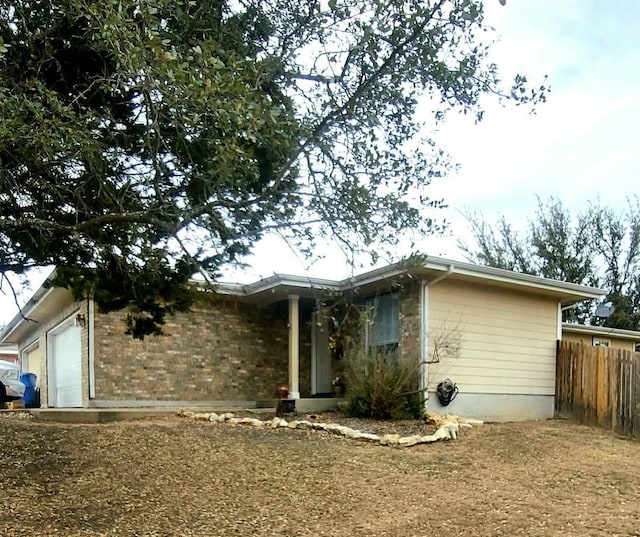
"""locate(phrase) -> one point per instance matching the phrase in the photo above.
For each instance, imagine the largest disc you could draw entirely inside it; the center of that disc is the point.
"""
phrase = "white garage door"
(65, 367)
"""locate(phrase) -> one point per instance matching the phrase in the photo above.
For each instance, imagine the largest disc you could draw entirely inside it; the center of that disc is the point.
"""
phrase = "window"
(597, 342)
(384, 321)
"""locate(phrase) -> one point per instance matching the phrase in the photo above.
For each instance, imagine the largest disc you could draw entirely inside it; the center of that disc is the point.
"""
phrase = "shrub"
(382, 386)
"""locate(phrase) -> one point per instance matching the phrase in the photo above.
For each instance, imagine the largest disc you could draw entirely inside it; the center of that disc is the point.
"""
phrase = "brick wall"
(220, 350)
(410, 323)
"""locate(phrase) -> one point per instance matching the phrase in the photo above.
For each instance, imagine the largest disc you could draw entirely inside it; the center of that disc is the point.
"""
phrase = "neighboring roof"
(430, 269)
(8, 348)
(601, 331)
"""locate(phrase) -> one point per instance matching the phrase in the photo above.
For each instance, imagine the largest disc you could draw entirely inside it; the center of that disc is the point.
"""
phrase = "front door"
(320, 355)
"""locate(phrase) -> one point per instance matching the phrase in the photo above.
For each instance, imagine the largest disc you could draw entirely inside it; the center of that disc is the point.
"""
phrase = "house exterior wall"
(504, 350)
(228, 350)
(221, 350)
(34, 360)
(39, 334)
(409, 346)
(587, 339)
(507, 339)
(9, 357)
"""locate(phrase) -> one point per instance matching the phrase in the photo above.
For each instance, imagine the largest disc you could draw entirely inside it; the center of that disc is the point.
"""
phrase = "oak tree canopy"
(144, 141)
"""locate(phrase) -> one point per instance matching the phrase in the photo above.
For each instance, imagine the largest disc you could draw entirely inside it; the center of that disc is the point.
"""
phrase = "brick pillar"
(294, 347)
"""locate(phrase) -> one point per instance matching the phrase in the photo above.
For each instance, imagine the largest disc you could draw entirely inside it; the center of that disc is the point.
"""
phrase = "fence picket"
(598, 385)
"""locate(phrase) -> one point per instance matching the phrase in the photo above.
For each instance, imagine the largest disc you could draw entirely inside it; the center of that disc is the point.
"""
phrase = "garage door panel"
(67, 367)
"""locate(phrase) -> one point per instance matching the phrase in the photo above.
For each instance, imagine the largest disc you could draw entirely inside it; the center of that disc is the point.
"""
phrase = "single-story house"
(493, 332)
(601, 336)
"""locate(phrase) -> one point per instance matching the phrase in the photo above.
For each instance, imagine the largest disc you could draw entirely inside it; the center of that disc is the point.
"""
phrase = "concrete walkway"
(106, 415)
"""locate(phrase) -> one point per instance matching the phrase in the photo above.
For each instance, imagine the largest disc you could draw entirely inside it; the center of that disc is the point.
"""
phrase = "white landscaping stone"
(449, 427)
(258, 423)
(408, 441)
(452, 429)
(369, 437)
(304, 424)
(278, 422)
(390, 440)
(446, 432)
(350, 433)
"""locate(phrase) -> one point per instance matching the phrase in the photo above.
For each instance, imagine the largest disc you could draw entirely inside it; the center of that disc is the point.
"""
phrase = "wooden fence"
(599, 385)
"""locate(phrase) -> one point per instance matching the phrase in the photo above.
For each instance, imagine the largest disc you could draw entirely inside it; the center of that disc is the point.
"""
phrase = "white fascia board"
(480, 272)
(581, 292)
(373, 276)
(287, 280)
(225, 288)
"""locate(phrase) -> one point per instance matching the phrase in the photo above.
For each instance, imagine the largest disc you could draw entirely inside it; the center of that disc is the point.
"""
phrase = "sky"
(581, 145)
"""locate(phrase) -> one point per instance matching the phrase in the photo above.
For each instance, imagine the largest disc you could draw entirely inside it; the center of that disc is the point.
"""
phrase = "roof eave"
(570, 292)
(25, 312)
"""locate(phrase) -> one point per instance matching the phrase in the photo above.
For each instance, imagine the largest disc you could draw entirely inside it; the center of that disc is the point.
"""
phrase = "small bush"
(381, 386)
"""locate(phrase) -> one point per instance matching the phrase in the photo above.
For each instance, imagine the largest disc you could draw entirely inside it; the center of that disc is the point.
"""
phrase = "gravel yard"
(178, 477)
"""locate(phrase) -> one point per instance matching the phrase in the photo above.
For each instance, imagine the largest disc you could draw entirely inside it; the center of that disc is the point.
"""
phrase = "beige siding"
(505, 340)
(587, 339)
(34, 360)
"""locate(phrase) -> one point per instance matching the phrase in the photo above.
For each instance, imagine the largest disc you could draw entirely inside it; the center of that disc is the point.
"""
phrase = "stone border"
(448, 427)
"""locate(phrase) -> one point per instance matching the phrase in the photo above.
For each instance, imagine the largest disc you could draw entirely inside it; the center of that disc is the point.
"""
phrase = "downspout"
(561, 308)
(424, 330)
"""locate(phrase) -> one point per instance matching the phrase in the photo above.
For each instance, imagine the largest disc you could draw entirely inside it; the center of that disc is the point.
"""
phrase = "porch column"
(294, 347)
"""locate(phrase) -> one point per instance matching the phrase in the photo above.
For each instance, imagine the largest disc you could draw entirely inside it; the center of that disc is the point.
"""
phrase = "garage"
(33, 359)
(65, 365)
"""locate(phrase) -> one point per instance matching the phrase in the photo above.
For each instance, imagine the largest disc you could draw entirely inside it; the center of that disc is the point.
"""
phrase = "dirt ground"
(178, 477)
